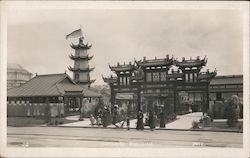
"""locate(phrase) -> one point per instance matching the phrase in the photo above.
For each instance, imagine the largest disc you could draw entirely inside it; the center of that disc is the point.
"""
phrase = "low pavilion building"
(38, 95)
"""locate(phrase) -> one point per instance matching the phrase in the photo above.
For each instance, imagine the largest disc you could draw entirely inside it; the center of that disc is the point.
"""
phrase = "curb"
(160, 129)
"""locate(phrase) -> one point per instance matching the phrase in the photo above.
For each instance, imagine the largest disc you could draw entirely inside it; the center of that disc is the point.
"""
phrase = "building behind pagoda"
(17, 75)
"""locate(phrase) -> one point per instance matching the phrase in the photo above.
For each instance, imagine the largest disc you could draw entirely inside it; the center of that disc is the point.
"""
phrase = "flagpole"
(81, 29)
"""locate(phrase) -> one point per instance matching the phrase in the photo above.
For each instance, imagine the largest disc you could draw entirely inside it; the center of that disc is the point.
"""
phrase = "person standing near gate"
(128, 122)
(115, 115)
(152, 118)
(105, 116)
(140, 125)
(162, 119)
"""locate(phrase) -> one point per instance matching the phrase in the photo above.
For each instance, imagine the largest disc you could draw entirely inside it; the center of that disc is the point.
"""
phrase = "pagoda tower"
(81, 70)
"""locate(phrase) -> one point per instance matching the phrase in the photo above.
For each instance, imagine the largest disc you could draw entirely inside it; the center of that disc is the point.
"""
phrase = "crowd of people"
(104, 117)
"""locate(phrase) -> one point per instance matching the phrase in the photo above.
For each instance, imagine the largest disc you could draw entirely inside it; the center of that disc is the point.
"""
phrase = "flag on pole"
(74, 34)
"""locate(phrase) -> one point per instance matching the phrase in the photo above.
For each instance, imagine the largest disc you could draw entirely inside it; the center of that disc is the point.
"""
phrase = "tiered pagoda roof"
(88, 69)
(155, 62)
(191, 63)
(124, 67)
(110, 80)
(206, 75)
(73, 57)
(81, 45)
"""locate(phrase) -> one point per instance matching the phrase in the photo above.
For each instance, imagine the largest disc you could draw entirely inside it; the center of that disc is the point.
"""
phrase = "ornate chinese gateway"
(175, 85)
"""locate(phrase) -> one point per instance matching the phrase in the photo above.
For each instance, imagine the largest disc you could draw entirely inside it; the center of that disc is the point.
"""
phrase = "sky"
(36, 38)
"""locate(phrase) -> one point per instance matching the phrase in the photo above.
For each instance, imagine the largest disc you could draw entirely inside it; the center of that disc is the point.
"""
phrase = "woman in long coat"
(140, 125)
(162, 121)
(105, 117)
(151, 120)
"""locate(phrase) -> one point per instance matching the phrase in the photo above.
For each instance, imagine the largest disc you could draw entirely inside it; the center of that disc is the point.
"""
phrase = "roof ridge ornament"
(167, 56)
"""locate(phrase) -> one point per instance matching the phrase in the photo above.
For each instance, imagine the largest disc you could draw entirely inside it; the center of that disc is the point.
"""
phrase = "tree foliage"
(232, 112)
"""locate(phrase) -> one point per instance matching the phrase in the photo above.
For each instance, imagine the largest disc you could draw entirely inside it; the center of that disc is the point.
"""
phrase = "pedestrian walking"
(140, 125)
(128, 122)
(115, 115)
(151, 120)
(92, 120)
(105, 117)
(99, 120)
(162, 120)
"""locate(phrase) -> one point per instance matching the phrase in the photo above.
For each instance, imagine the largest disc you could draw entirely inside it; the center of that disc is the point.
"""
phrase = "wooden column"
(47, 110)
(81, 107)
(207, 98)
(112, 97)
(175, 102)
(139, 97)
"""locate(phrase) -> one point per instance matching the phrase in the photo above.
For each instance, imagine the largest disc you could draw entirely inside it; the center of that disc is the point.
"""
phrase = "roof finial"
(167, 56)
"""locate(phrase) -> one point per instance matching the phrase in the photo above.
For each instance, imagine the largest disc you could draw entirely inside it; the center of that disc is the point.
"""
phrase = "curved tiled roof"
(191, 63)
(45, 85)
(155, 62)
(206, 75)
(229, 79)
(110, 79)
(81, 46)
(125, 67)
(87, 57)
(50, 85)
(87, 69)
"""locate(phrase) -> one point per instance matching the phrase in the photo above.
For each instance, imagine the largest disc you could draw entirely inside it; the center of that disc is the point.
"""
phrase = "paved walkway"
(182, 122)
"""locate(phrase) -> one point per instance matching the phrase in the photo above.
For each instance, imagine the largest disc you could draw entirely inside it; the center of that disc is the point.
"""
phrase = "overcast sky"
(36, 39)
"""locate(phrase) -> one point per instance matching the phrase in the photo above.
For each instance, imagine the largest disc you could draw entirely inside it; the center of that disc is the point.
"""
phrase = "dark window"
(76, 77)
(218, 96)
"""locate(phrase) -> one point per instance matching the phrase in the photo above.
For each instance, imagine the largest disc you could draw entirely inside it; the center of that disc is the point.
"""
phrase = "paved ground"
(182, 122)
(100, 137)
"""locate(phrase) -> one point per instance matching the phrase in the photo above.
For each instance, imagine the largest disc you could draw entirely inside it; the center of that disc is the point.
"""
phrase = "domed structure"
(16, 75)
